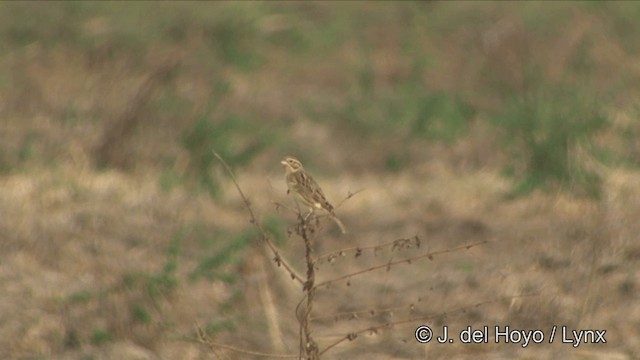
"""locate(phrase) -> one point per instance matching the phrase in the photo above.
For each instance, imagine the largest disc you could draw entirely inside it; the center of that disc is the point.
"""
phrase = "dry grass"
(74, 233)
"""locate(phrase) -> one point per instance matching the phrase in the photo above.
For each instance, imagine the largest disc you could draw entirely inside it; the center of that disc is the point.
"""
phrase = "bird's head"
(291, 163)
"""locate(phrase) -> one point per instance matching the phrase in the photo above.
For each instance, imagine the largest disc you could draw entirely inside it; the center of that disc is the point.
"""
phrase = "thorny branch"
(374, 329)
(403, 243)
(388, 265)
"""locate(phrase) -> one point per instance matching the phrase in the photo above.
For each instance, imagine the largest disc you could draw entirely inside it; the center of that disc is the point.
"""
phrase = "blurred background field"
(511, 122)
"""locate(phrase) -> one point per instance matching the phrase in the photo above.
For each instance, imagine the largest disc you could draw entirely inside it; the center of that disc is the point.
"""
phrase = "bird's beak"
(283, 162)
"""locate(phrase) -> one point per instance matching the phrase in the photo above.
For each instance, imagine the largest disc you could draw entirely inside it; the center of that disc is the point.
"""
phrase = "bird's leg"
(306, 217)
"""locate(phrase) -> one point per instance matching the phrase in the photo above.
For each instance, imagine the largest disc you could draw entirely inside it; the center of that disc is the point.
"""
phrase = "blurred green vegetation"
(212, 254)
(223, 250)
(542, 127)
(232, 136)
(547, 78)
(101, 336)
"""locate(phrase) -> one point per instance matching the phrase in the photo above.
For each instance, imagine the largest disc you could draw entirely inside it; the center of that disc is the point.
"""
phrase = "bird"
(302, 184)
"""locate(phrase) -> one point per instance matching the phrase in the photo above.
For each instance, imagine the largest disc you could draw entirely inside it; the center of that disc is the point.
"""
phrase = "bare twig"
(354, 334)
(349, 196)
(403, 243)
(371, 312)
(215, 345)
(310, 346)
(388, 265)
(279, 260)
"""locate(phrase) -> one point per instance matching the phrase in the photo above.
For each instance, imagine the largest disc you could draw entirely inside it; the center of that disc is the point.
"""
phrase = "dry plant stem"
(263, 234)
(398, 243)
(391, 310)
(388, 265)
(353, 335)
(310, 346)
(215, 345)
(270, 310)
(349, 196)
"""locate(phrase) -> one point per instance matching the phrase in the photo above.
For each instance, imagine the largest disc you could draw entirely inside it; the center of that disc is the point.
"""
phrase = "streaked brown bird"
(300, 182)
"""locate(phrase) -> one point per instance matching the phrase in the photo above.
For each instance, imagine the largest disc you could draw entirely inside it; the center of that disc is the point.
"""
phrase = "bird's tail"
(339, 223)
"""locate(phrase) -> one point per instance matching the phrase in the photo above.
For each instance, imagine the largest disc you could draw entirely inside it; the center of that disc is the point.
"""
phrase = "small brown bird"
(307, 189)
